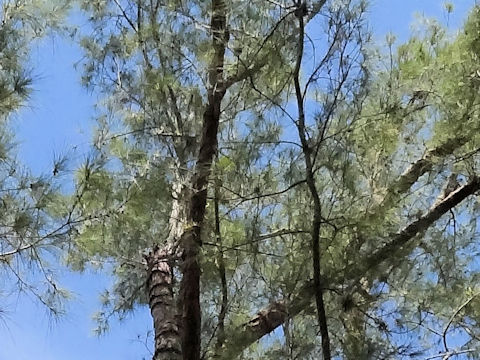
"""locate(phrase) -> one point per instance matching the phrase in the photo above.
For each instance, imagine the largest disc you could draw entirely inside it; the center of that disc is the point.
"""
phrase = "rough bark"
(162, 306)
(190, 235)
(167, 328)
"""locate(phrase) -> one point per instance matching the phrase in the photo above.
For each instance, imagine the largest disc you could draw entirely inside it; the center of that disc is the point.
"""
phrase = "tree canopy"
(265, 167)
(31, 234)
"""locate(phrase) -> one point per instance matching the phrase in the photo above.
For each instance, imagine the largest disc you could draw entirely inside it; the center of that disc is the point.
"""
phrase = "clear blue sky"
(59, 117)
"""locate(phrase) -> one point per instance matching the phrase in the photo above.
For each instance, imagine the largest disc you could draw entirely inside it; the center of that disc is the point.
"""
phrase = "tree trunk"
(162, 306)
(160, 285)
(190, 240)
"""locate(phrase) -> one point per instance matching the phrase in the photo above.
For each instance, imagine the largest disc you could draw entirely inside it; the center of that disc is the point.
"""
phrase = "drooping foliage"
(29, 237)
(377, 148)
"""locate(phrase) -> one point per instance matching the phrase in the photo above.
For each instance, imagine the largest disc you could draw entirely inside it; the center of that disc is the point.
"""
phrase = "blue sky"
(58, 118)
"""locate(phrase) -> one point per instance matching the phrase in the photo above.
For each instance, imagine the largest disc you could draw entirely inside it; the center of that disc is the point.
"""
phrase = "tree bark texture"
(166, 322)
(162, 306)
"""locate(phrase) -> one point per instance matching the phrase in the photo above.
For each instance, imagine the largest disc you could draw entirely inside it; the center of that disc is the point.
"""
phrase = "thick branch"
(417, 169)
(277, 313)
(401, 238)
(266, 321)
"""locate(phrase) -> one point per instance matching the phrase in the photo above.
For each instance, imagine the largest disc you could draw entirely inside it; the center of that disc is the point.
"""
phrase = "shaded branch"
(266, 320)
(191, 238)
(401, 238)
(277, 313)
(300, 12)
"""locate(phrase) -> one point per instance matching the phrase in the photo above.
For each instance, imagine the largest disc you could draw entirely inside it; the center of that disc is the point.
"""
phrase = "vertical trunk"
(186, 224)
(191, 237)
(166, 324)
(162, 306)
(317, 214)
(190, 294)
(221, 273)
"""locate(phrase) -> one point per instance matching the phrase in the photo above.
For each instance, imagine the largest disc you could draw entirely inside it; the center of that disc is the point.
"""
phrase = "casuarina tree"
(261, 165)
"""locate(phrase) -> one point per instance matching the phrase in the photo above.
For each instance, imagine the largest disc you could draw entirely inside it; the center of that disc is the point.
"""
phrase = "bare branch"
(127, 18)
(449, 354)
(317, 209)
(454, 315)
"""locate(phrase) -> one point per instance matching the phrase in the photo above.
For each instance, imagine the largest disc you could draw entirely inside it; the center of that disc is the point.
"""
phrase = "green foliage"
(384, 130)
(30, 238)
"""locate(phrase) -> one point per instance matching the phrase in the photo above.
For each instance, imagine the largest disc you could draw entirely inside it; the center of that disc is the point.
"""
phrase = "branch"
(401, 238)
(252, 69)
(245, 74)
(454, 315)
(124, 13)
(449, 354)
(259, 238)
(300, 12)
(416, 170)
(277, 313)
(249, 197)
(316, 7)
(266, 320)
